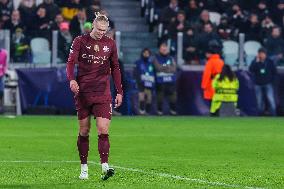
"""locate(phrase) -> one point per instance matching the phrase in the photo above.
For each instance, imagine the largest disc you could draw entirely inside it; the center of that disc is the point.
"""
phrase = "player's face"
(100, 29)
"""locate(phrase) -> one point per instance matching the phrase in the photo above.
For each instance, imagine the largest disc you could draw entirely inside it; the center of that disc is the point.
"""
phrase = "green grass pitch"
(147, 152)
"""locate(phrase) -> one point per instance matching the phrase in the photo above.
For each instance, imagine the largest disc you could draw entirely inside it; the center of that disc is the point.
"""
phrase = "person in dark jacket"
(275, 45)
(64, 41)
(14, 22)
(77, 23)
(51, 9)
(263, 71)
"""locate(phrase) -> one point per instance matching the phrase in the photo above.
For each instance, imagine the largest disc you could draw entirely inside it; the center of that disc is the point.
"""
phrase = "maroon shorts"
(84, 109)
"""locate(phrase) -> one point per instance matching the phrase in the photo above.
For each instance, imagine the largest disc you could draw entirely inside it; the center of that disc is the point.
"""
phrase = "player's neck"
(92, 35)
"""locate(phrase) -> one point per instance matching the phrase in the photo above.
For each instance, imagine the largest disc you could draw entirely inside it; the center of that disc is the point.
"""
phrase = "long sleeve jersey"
(97, 60)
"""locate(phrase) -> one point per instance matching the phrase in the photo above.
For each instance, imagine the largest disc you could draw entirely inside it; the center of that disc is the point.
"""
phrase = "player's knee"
(102, 130)
(84, 131)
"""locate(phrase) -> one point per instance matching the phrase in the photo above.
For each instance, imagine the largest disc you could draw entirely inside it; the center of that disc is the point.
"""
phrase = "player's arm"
(72, 59)
(116, 75)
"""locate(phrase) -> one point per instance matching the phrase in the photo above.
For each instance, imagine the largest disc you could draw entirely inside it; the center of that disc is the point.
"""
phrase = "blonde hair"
(101, 18)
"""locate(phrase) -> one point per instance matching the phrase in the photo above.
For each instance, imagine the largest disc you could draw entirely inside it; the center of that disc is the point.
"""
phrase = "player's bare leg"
(103, 146)
(83, 145)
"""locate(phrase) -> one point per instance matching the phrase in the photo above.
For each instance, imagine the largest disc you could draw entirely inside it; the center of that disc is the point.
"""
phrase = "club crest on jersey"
(96, 48)
(105, 49)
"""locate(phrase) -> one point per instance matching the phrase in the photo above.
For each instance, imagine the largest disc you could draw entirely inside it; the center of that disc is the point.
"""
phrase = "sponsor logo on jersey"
(106, 49)
(96, 48)
(88, 47)
(94, 59)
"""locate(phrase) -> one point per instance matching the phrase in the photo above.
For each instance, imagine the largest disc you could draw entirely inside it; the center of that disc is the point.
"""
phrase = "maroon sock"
(83, 148)
(103, 147)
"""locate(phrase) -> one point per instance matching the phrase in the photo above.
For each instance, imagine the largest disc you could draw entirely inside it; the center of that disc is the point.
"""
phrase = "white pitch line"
(165, 175)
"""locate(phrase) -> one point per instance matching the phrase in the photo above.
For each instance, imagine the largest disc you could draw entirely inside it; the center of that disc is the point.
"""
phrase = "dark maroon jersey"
(96, 60)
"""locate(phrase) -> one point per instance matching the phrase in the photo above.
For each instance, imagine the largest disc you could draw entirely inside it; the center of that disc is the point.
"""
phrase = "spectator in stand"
(275, 45)
(202, 21)
(19, 47)
(237, 18)
(213, 67)
(278, 13)
(192, 11)
(77, 23)
(90, 11)
(3, 70)
(64, 41)
(179, 25)
(57, 21)
(266, 27)
(190, 45)
(70, 9)
(205, 37)
(27, 10)
(87, 27)
(168, 14)
(264, 72)
(261, 9)
(6, 8)
(145, 78)
(41, 24)
(51, 8)
(14, 22)
(225, 30)
(165, 67)
(253, 28)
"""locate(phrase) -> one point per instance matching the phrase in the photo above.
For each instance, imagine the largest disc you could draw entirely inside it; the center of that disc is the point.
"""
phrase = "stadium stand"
(140, 24)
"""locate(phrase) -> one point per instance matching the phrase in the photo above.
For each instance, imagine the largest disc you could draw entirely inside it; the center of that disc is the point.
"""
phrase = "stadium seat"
(251, 48)
(215, 17)
(230, 52)
(40, 50)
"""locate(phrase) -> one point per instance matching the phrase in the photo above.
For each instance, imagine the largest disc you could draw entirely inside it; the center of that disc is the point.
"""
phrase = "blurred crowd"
(30, 19)
(204, 20)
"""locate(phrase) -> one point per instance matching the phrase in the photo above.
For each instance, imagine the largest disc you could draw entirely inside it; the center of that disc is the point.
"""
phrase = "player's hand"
(74, 86)
(118, 100)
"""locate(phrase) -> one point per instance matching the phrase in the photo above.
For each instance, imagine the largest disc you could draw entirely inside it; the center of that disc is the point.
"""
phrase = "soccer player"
(96, 56)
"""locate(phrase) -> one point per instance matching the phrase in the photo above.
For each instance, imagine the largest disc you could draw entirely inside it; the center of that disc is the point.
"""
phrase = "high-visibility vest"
(225, 91)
